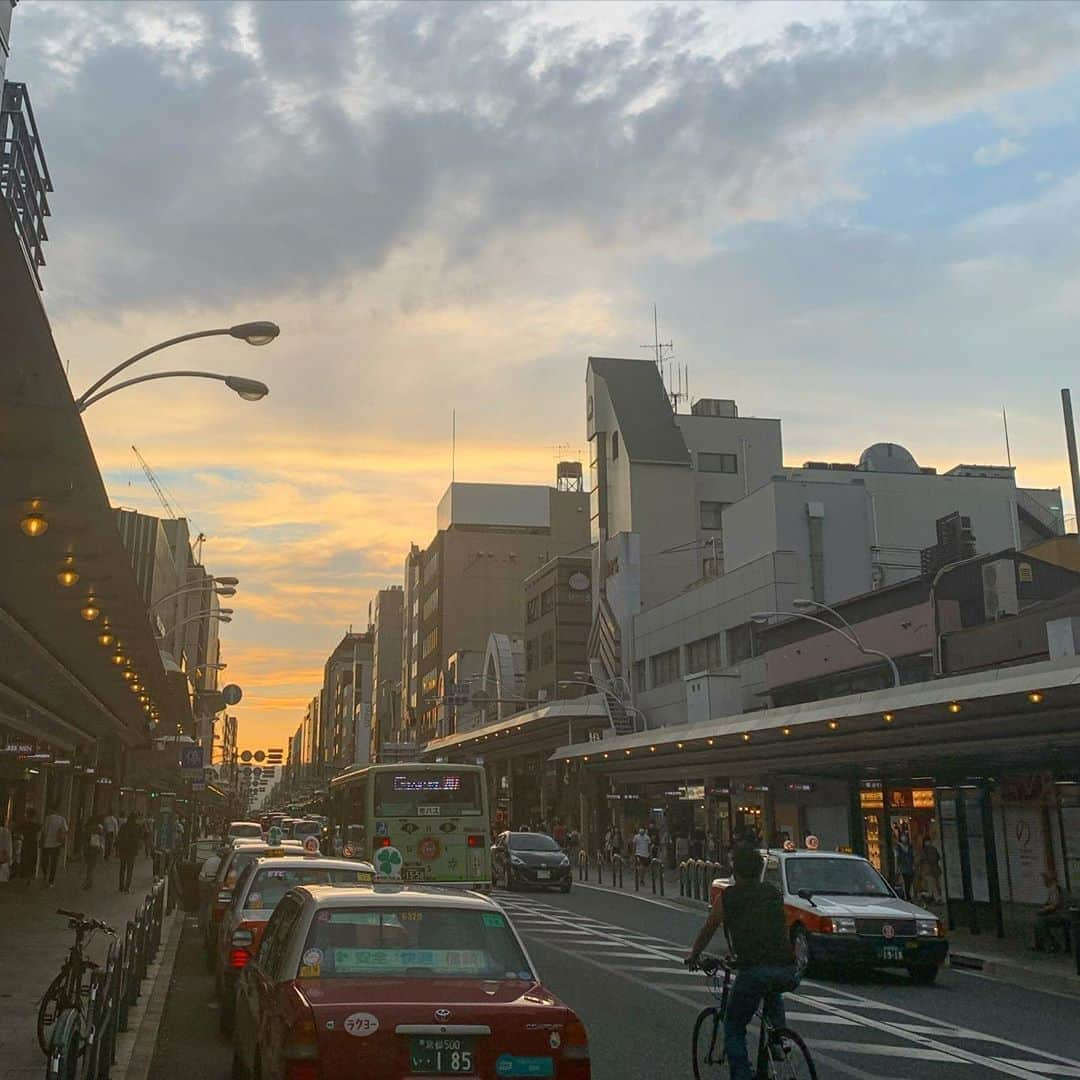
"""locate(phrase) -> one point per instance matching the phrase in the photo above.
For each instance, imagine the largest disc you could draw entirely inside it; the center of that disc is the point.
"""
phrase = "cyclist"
(752, 914)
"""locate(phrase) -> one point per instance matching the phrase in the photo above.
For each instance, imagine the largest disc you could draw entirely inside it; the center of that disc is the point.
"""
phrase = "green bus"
(417, 822)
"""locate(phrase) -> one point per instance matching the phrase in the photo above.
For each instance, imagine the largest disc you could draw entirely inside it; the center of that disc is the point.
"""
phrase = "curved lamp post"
(254, 333)
(223, 586)
(222, 615)
(851, 638)
(248, 389)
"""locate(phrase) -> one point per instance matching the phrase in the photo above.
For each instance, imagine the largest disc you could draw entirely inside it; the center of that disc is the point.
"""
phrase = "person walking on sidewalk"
(95, 844)
(128, 841)
(112, 828)
(930, 870)
(642, 848)
(28, 851)
(7, 852)
(53, 837)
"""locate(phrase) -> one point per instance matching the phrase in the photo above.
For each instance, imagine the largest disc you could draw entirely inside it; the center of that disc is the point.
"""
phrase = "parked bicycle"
(782, 1054)
(74, 987)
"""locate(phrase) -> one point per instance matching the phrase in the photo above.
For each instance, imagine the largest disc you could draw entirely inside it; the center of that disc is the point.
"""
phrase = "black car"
(527, 858)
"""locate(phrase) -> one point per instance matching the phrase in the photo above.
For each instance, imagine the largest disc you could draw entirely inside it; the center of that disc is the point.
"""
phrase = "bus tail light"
(382, 841)
(476, 840)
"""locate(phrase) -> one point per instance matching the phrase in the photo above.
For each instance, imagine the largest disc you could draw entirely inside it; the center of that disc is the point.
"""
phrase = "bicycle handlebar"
(81, 922)
(710, 965)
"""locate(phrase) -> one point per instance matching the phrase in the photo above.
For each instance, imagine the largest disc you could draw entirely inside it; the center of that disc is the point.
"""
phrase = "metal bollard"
(616, 870)
(637, 874)
(1074, 929)
(583, 866)
(700, 879)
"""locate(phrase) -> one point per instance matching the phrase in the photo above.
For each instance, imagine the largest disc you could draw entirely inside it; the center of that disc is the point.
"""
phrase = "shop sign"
(800, 787)
(692, 792)
(872, 800)
(718, 791)
(755, 787)
(19, 748)
(911, 798)
(1026, 787)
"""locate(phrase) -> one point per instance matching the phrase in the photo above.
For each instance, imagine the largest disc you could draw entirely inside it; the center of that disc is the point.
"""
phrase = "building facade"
(558, 615)
(386, 619)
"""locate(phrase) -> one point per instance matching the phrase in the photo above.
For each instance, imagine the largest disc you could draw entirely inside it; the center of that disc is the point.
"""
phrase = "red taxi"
(260, 886)
(842, 913)
(391, 981)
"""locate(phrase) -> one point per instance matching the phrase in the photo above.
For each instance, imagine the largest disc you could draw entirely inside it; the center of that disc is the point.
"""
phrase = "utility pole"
(1070, 442)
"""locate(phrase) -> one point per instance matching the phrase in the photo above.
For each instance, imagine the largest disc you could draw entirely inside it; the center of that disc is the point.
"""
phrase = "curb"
(1022, 974)
(647, 894)
(135, 1049)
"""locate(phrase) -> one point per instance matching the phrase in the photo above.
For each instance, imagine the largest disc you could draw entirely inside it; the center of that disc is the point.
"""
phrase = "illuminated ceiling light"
(106, 637)
(652, 749)
(1035, 697)
(679, 745)
(746, 736)
(888, 717)
(955, 707)
(129, 675)
(118, 659)
(90, 610)
(834, 725)
(786, 731)
(626, 752)
(710, 741)
(33, 524)
(585, 758)
(605, 757)
(67, 575)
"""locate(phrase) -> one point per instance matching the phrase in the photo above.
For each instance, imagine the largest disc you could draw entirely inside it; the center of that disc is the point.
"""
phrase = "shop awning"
(1024, 709)
(543, 727)
(55, 678)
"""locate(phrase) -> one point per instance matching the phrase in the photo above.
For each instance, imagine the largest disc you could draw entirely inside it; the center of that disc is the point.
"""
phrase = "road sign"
(232, 694)
(191, 758)
(260, 755)
(311, 845)
(246, 755)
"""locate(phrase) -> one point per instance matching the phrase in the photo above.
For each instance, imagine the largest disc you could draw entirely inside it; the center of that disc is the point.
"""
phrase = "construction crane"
(153, 482)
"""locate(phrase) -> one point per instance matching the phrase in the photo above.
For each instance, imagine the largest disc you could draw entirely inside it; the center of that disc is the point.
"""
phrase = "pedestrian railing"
(83, 1039)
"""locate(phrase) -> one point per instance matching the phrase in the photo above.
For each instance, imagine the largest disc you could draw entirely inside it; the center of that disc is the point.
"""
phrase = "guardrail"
(83, 1039)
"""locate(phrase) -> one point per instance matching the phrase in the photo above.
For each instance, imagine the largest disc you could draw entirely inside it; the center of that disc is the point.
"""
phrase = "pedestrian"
(112, 828)
(558, 833)
(28, 851)
(7, 852)
(95, 844)
(53, 837)
(1051, 916)
(930, 870)
(128, 842)
(905, 862)
(148, 838)
(642, 847)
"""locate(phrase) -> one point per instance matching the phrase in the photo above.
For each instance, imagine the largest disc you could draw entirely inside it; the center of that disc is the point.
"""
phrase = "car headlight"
(842, 925)
(515, 861)
(928, 928)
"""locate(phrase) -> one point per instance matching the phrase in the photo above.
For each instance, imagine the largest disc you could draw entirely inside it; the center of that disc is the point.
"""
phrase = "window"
(772, 875)
(547, 647)
(639, 677)
(723, 463)
(740, 643)
(532, 609)
(431, 567)
(531, 652)
(665, 667)
(710, 514)
(431, 642)
(431, 604)
(547, 600)
(431, 681)
(705, 654)
(614, 446)
(278, 931)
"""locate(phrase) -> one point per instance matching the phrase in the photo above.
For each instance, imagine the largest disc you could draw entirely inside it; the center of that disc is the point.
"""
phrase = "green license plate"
(890, 952)
(441, 1055)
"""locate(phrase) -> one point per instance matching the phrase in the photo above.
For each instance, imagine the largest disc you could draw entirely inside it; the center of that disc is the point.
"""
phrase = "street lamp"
(851, 638)
(248, 389)
(222, 615)
(254, 333)
(223, 586)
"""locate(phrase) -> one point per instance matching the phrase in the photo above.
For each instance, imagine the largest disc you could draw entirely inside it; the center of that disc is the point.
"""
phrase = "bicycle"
(781, 1054)
(67, 990)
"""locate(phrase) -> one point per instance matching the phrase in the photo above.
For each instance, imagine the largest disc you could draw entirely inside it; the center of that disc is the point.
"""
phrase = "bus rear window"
(416, 794)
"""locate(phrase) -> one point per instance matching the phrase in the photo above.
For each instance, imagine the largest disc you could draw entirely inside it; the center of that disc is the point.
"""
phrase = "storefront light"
(679, 745)
(834, 725)
(1035, 697)
(67, 575)
(888, 717)
(33, 524)
(746, 736)
(786, 731)
(710, 741)
(955, 707)
(90, 610)
(652, 749)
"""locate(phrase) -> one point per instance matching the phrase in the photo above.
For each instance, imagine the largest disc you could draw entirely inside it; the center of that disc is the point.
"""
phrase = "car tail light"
(239, 958)
(302, 1049)
(575, 1041)
(476, 840)
(382, 841)
(224, 896)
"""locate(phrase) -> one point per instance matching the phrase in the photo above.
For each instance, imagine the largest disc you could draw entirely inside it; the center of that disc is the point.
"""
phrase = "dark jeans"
(750, 986)
(91, 860)
(108, 845)
(127, 868)
(1045, 925)
(50, 857)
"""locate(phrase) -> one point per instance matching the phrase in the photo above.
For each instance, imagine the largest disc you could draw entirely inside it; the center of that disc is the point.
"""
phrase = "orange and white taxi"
(842, 913)
(263, 882)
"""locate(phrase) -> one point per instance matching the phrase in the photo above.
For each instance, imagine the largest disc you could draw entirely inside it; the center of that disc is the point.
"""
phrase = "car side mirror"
(807, 895)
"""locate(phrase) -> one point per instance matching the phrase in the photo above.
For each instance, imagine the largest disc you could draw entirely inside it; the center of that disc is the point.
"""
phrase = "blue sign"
(381, 828)
(191, 757)
(165, 830)
(508, 1065)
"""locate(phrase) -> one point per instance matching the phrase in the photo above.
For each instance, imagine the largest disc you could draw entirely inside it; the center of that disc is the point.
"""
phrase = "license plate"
(543, 875)
(890, 952)
(412, 874)
(441, 1055)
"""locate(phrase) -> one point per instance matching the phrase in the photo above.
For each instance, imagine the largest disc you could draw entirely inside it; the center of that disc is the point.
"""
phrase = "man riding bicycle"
(752, 914)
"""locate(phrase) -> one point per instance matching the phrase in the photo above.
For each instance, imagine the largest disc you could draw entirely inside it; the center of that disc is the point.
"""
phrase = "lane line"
(916, 1053)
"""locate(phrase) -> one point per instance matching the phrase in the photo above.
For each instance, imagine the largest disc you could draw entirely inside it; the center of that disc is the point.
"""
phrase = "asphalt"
(618, 961)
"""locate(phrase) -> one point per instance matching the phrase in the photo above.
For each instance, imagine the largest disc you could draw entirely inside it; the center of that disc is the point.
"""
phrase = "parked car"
(842, 913)
(191, 861)
(385, 981)
(527, 858)
(262, 883)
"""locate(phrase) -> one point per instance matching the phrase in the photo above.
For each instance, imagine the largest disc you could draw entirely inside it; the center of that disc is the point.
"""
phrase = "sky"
(860, 218)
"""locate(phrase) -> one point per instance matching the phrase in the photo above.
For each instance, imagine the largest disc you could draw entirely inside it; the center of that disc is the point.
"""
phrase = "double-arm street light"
(846, 630)
(223, 586)
(254, 333)
(224, 614)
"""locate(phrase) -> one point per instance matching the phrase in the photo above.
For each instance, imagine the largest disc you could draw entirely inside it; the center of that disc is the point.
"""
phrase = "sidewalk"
(34, 941)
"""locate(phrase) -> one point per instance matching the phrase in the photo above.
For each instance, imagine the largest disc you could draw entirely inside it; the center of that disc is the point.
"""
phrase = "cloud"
(997, 153)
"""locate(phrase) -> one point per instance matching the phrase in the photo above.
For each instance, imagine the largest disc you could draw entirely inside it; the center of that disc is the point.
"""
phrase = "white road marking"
(819, 1018)
(1048, 1069)
(916, 1053)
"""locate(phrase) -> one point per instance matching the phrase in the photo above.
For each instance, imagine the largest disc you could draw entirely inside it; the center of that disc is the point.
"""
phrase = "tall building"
(558, 614)
(6, 8)
(385, 617)
(467, 583)
(410, 630)
(344, 706)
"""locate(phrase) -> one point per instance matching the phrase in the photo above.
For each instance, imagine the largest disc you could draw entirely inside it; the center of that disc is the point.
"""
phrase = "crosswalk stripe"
(1048, 1068)
(883, 1049)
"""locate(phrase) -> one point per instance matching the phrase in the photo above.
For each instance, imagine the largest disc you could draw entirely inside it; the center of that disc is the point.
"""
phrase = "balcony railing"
(24, 176)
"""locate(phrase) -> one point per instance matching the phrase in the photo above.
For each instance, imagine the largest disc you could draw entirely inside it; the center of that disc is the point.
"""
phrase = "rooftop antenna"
(657, 348)
(1005, 422)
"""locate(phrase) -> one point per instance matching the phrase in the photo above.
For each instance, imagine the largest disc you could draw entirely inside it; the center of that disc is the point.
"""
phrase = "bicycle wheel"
(66, 1048)
(709, 1044)
(52, 1005)
(789, 1058)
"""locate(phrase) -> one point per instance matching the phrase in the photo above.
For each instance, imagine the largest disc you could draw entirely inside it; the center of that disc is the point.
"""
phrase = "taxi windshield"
(271, 883)
(834, 877)
(412, 943)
